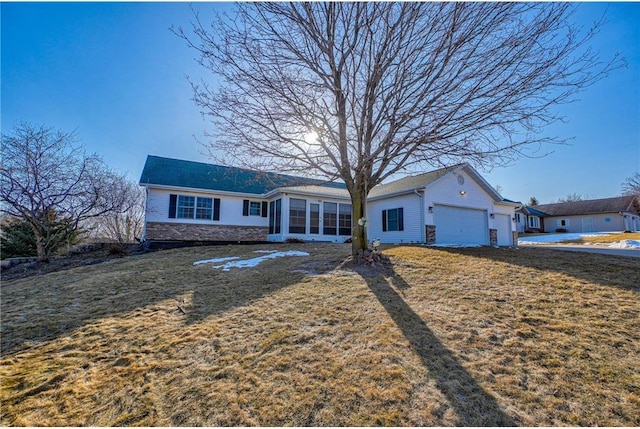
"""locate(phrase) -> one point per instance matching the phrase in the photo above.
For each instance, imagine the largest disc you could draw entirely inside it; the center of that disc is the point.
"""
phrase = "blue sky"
(116, 74)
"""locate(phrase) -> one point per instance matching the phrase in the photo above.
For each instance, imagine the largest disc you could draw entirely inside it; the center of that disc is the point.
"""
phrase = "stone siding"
(194, 232)
(431, 234)
(515, 238)
(493, 237)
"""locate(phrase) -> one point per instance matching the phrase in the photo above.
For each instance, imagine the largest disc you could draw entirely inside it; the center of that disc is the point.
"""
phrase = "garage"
(503, 225)
(459, 225)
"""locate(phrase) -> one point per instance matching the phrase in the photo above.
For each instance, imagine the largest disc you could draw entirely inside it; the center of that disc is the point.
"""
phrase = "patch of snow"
(264, 251)
(213, 261)
(626, 244)
(559, 238)
(256, 261)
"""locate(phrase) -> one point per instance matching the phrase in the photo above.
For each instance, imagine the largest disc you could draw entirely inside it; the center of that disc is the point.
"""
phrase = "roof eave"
(202, 190)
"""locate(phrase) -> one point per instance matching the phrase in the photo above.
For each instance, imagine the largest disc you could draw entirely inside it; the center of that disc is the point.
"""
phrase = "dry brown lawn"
(474, 337)
(608, 239)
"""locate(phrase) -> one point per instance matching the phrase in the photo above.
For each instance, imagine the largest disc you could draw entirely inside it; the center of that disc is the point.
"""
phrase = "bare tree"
(570, 198)
(359, 91)
(631, 185)
(49, 182)
(125, 224)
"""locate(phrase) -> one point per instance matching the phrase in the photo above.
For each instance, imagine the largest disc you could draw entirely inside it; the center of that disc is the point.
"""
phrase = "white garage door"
(456, 225)
(503, 225)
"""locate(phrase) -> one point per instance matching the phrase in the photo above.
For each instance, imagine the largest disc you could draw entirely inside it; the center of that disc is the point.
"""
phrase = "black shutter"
(173, 202)
(384, 220)
(245, 207)
(216, 209)
(264, 208)
(400, 219)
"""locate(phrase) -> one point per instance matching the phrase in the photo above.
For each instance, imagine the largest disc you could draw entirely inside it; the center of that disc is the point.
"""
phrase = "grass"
(474, 337)
(607, 239)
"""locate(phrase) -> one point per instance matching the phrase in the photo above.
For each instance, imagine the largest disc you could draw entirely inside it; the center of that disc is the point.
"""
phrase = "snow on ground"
(270, 254)
(213, 261)
(558, 238)
(626, 244)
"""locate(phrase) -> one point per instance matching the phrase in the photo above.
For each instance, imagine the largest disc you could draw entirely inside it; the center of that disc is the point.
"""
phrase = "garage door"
(457, 225)
(503, 225)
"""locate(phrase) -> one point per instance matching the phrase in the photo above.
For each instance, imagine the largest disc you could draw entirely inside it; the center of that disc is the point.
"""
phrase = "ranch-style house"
(194, 201)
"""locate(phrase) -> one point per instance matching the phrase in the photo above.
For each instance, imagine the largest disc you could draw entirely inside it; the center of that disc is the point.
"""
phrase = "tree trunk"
(43, 253)
(359, 207)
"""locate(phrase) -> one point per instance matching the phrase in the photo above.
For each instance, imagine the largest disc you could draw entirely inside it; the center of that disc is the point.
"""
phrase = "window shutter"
(384, 220)
(264, 208)
(245, 207)
(400, 219)
(216, 209)
(173, 202)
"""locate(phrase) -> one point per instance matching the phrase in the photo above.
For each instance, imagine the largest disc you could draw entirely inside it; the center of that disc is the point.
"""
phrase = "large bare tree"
(49, 182)
(359, 91)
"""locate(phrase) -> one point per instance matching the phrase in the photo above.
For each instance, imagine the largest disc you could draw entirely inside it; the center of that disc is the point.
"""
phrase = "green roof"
(198, 175)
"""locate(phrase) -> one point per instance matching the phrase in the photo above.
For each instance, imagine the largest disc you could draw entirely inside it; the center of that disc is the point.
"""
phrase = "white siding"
(230, 209)
(599, 222)
(413, 227)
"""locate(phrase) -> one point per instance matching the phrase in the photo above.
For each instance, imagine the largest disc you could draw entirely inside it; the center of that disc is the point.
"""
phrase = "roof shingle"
(603, 205)
(197, 175)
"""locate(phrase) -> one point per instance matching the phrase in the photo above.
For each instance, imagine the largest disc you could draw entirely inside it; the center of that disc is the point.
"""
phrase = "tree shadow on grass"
(42, 308)
(471, 403)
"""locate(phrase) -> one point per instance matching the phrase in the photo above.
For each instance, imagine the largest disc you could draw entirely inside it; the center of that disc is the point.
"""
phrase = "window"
(518, 217)
(254, 208)
(186, 207)
(275, 216)
(393, 219)
(534, 222)
(314, 218)
(297, 216)
(192, 207)
(563, 222)
(344, 219)
(330, 222)
(204, 208)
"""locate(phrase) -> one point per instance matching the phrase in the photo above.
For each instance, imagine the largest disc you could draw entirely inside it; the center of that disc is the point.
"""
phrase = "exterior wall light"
(492, 215)
(463, 193)
(430, 209)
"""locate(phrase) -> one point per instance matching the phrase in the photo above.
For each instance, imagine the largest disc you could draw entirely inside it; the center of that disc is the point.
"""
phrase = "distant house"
(205, 202)
(607, 214)
(529, 219)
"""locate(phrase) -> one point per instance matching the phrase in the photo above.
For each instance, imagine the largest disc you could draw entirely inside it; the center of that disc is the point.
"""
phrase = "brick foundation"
(191, 232)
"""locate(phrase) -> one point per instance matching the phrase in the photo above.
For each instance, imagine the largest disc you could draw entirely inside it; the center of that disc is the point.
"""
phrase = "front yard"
(473, 337)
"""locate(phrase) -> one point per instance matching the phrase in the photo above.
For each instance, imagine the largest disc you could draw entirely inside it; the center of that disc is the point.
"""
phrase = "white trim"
(205, 191)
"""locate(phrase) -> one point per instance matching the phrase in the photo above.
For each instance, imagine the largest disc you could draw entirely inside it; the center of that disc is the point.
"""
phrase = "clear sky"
(115, 74)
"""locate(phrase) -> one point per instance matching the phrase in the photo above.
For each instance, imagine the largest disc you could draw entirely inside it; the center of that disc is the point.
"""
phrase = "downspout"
(422, 225)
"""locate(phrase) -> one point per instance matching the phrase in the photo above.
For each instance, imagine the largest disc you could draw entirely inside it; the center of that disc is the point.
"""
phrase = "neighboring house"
(529, 219)
(607, 214)
(204, 202)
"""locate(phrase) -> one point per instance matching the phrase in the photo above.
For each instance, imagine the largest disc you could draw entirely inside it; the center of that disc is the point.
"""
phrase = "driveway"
(635, 253)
